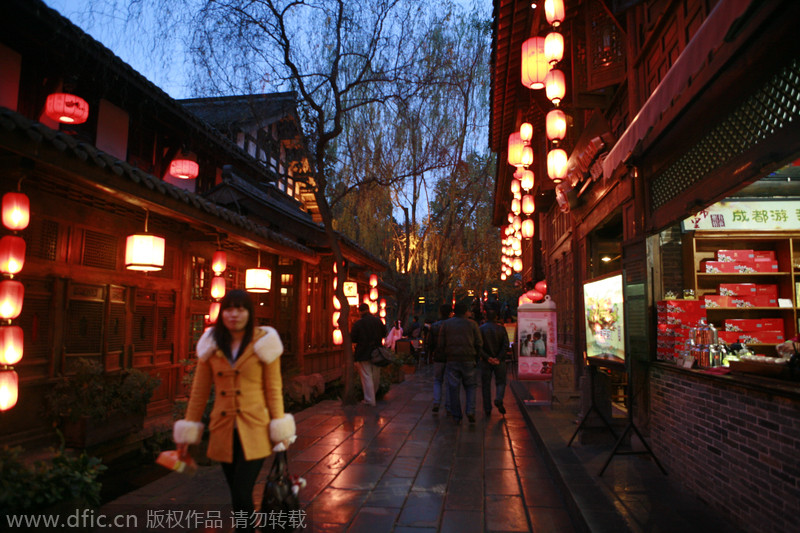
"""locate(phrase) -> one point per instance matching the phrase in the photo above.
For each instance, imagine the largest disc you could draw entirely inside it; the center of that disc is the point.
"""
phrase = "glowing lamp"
(517, 223)
(557, 165)
(217, 287)
(527, 156)
(9, 389)
(219, 262)
(527, 228)
(553, 47)
(10, 345)
(365, 299)
(383, 313)
(555, 86)
(258, 280)
(66, 108)
(373, 307)
(517, 264)
(503, 276)
(554, 12)
(528, 205)
(541, 286)
(526, 132)
(373, 280)
(515, 206)
(213, 312)
(556, 125)
(12, 254)
(12, 294)
(337, 337)
(534, 295)
(336, 304)
(527, 180)
(184, 169)
(335, 318)
(383, 303)
(534, 63)
(144, 252)
(16, 211)
(515, 186)
(373, 293)
(515, 149)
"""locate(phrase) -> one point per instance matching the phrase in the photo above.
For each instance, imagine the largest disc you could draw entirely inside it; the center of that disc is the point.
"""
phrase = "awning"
(709, 38)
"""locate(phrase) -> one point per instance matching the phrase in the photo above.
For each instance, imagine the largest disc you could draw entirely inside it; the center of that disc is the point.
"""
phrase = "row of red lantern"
(15, 216)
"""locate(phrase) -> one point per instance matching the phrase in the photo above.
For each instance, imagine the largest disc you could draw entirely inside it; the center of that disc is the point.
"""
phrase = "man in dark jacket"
(493, 362)
(439, 358)
(367, 334)
(460, 339)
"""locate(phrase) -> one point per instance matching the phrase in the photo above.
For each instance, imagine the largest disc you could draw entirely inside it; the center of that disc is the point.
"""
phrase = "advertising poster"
(603, 307)
(536, 341)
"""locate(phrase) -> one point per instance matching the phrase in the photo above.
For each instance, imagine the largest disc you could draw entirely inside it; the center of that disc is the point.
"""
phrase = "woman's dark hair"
(234, 298)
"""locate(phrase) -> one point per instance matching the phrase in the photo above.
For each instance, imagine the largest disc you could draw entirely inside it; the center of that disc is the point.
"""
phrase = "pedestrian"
(367, 334)
(493, 362)
(248, 421)
(439, 358)
(415, 328)
(460, 339)
(394, 334)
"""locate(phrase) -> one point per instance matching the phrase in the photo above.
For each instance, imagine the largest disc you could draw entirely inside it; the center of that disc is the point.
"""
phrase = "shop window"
(201, 278)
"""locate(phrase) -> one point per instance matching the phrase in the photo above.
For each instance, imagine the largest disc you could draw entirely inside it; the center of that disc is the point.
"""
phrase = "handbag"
(173, 460)
(279, 496)
(381, 356)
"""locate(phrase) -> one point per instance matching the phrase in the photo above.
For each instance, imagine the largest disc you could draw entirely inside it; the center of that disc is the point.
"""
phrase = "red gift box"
(762, 337)
(754, 324)
(764, 254)
(767, 290)
(737, 289)
(716, 300)
(729, 336)
(730, 267)
(765, 265)
(735, 255)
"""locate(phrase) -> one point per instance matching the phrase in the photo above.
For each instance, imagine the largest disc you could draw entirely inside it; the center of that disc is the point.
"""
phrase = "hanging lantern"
(337, 337)
(534, 295)
(518, 195)
(12, 254)
(503, 277)
(213, 312)
(258, 280)
(184, 169)
(534, 63)
(515, 206)
(383, 303)
(383, 313)
(517, 264)
(553, 47)
(556, 125)
(527, 228)
(9, 389)
(527, 180)
(66, 108)
(10, 345)
(219, 262)
(373, 293)
(336, 304)
(144, 252)
(217, 287)
(517, 222)
(555, 86)
(528, 206)
(516, 148)
(527, 156)
(335, 318)
(557, 165)
(515, 186)
(12, 294)
(16, 211)
(526, 132)
(541, 286)
(373, 307)
(365, 299)
(554, 12)
(373, 280)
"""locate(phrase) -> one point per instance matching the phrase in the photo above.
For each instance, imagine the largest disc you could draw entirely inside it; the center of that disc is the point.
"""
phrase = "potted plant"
(408, 363)
(92, 406)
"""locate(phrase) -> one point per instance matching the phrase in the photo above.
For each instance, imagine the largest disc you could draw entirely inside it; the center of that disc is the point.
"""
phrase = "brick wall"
(736, 448)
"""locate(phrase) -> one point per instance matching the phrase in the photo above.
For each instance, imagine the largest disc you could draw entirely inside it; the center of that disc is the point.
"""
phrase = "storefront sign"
(603, 314)
(537, 344)
(749, 215)
(350, 289)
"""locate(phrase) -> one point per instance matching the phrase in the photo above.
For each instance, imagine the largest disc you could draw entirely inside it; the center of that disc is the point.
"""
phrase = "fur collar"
(268, 345)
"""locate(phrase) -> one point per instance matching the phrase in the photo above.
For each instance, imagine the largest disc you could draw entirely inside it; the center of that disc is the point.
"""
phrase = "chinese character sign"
(756, 215)
(537, 343)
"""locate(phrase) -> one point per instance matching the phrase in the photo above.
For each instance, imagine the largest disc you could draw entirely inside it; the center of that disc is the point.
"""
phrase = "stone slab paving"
(394, 468)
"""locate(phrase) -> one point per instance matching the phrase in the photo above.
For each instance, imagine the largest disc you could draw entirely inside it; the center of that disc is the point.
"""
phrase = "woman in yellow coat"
(247, 422)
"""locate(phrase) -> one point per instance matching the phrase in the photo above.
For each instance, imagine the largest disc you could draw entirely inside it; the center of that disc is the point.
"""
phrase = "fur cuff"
(281, 429)
(206, 346)
(185, 432)
(269, 347)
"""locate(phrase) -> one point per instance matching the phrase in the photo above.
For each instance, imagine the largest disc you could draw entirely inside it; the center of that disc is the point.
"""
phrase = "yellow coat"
(249, 396)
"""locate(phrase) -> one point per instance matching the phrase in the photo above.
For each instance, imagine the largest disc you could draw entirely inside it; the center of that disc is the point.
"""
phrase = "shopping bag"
(173, 460)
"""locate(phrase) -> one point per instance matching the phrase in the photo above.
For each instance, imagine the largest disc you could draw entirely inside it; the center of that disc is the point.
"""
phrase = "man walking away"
(460, 339)
(367, 334)
(439, 358)
(493, 362)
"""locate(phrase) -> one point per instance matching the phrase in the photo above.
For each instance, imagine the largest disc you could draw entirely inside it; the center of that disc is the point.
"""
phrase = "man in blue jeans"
(460, 341)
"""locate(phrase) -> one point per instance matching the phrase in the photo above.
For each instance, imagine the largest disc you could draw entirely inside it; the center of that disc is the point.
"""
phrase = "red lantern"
(144, 252)
(10, 345)
(557, 165)
(257, 280)
(526, 132)
(213, 312)
(217, 287)
(335, 318)
(9, 389)
(16, 211)
(541, 286)
(553, 48)
(336, 304)
(555, 86)
(515, 206)
(517, 264)
(515, 186)
(373, 293)
(515, 149)
(219, 262)
(66, 108)
(12, 294)
(527, 228)
(527, 180)
(373, 280)
(534, 295)
(383, 303)
(528, 205)
(373, 307)
(534, 63)
(185, 169)
(556, 125)
(12, 254)
(554, 12)
(337, 337)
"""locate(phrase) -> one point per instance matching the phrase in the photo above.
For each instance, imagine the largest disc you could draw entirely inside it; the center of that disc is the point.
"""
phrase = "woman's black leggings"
(241, 476)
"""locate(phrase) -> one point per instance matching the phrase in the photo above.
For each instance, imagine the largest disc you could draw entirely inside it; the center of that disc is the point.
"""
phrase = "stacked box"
(767, 290)
(735, 255)
(728, 267)
(764, 254)
(718, 300)
(753, 324)
(753, 330)
(765, 265)
(675, 320)
(737, 289)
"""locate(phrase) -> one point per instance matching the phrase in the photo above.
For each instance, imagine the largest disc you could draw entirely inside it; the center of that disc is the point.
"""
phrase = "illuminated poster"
(537, 343)
(603, 305)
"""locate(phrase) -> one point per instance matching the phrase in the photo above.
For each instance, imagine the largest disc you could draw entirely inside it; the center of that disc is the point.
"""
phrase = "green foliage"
(64, 478)
(92, 392)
